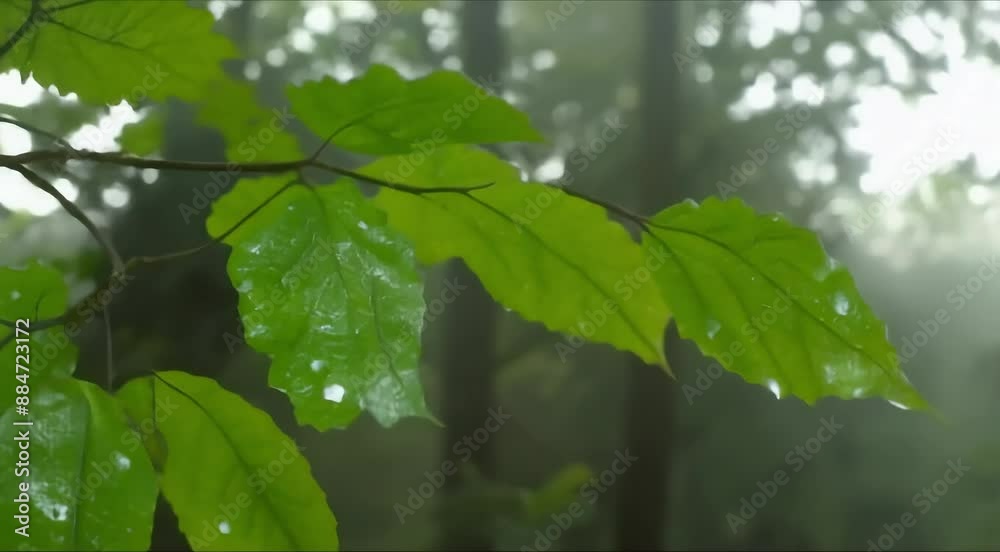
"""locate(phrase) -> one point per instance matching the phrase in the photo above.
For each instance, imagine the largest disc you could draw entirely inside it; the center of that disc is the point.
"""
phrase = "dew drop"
(317, 365)
(59, 512)
(334, 393)
(775, 388)
(841, 304)
(362, 225)
(713, 327)
(15, 295)
(224, 527)
(900, 406)
(123, 462)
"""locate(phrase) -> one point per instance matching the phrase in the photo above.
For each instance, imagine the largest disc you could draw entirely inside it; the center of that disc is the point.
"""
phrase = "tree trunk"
(471, 321)
(642, 512)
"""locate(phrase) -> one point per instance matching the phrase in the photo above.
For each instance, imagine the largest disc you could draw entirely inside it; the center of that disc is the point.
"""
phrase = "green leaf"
(381, 112)
(550, 256)
(252, 133)
(235, 481)
(762, 297)
(33, 293)
(109, 51)
(90, 485)
(331, 295)
(144, 137)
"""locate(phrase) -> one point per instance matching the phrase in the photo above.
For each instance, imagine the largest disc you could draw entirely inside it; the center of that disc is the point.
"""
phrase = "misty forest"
(499, 275)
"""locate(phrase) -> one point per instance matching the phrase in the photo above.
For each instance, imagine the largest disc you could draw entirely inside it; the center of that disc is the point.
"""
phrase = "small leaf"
(761, 296)
(106, 52)
(380, 112)
(235, 481)
(90, 486)
(550, 256)
(144, 137)
(34, 293)
(331, 295)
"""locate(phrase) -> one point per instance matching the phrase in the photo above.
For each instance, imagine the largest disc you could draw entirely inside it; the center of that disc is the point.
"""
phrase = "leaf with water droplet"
(224, 453)
(91, 486)
(791, 318)
(340, 315)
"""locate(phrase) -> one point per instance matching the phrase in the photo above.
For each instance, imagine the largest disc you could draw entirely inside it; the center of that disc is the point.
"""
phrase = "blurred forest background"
(878, 122)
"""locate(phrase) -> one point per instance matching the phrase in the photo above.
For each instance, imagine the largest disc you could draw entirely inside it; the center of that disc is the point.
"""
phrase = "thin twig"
(107, 344)
(151, 259)
(133, 262)
(75, 211)
(35, 130)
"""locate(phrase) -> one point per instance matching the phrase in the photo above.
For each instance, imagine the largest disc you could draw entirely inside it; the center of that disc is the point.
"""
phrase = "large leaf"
(550, 256)
(90, 484)
(762, 296)
(331, 295)
(380, 112)
(234, 479)
(107, 51)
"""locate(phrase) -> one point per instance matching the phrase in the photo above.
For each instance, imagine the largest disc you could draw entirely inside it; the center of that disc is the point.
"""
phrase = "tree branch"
(133, 262)
(124, 160)
(73, 210)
